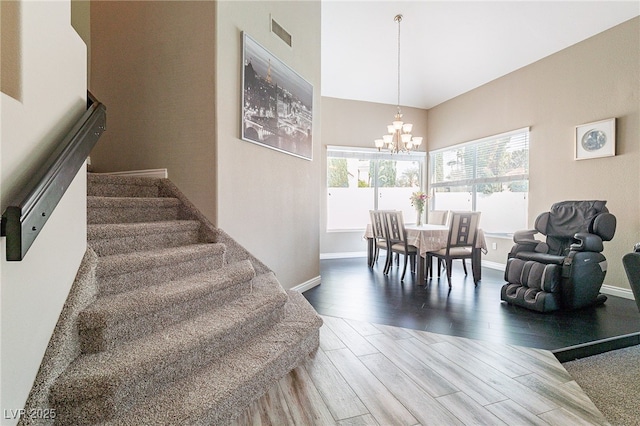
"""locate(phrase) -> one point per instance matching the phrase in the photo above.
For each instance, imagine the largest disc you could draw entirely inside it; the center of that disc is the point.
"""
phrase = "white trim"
(617, 291)
(343, 255)
(307, 285)
(150, 173)
(494, 265)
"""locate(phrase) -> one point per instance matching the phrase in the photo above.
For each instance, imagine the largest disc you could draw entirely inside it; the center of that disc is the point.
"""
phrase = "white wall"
(53, 96)
(269, 201)
(553, 96)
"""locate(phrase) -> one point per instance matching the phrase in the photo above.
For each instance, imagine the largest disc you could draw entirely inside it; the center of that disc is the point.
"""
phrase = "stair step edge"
(132, 202)
(254, 368)
(120, 230)
(113, 370)
(119, 264)
(143, 301)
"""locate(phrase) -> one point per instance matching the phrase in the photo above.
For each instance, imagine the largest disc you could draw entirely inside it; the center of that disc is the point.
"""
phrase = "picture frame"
(277, 103)
(595, 140)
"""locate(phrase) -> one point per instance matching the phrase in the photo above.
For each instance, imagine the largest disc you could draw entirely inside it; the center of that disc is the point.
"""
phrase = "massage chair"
(567, 269)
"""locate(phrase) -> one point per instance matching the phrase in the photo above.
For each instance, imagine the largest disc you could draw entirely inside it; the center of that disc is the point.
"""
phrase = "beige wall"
(594, 80)
(153, 66)
(34, 290)
(269, 201)
(356, 124)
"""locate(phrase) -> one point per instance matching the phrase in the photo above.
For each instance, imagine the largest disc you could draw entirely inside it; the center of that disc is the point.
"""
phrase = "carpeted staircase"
(186, 326)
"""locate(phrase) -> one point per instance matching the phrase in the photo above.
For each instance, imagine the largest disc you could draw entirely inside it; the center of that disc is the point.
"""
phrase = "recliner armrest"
(525, 237)
(587, 242)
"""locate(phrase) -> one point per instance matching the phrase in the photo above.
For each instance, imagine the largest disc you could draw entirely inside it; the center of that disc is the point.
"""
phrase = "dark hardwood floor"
(350, 289)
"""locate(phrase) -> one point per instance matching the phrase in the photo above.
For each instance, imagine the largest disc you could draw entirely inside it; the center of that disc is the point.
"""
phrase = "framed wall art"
(594, 140)
(277, 103)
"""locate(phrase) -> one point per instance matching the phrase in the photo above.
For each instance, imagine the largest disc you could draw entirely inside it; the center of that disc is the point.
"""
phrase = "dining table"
(428, 238)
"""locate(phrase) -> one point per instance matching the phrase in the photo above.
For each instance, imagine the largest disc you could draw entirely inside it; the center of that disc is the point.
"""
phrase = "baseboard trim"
(343, 255)
(494, 265)
(625, 293)
(150, 173)
(597, 347)
(307, 285)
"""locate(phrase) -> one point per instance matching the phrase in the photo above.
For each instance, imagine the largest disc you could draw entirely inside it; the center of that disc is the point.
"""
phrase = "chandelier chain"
(398, 19)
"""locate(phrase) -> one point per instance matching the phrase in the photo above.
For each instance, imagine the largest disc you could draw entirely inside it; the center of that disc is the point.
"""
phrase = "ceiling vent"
(280, 32)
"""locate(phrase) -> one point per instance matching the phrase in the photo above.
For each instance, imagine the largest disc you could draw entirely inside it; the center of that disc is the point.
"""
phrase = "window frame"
(370, 154)
(475, 181)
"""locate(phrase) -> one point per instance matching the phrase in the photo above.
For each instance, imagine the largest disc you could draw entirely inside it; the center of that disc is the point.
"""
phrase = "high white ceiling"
(447, 47)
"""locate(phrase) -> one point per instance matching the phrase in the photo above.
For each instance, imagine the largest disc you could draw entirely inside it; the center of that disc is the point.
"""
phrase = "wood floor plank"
(537, 361)
(516, 391)
(306, 406)
(342, 401)
(363, 328)
(422, 405)
(375, 396)
(468, 410)
(485, 353)
(562, 417)
(328, 339)
(513, 414)
(425, 336)
(565, 396)
(480, 391)
(430, 381)
(270, 409)
(393, 332)
(349, 336)
(366, 420)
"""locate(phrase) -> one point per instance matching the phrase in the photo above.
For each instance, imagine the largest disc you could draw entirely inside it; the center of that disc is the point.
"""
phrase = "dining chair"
(439, 217)
(397, 242)
(379, 228)
(463, 233)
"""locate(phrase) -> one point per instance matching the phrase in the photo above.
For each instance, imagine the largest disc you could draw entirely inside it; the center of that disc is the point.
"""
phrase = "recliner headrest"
(567, 218)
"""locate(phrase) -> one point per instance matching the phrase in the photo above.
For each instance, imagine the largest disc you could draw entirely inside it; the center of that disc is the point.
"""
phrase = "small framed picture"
(594, 140)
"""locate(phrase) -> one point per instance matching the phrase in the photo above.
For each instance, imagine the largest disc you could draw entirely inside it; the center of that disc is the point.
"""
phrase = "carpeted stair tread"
(132, 209)
(137, 368)
(118, 238)
(121, 186)
(124, 272)
(219, 392)
(112, 319)
(129, 262)
(122, 202)
(120, 230)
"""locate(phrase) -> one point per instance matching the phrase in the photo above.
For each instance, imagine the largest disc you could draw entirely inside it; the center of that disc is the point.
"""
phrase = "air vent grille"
(280, 32)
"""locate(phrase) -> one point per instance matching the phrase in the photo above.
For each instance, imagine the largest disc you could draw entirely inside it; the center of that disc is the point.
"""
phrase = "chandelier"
(399, 137)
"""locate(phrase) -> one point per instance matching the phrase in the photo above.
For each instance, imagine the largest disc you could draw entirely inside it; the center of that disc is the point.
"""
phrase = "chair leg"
(464, 265)
(387, 264)
(449, 265)
(439, 266)
(404, 270)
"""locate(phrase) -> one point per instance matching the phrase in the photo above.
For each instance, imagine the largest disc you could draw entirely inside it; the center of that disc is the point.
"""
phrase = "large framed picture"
(277, 103)
(594, 140)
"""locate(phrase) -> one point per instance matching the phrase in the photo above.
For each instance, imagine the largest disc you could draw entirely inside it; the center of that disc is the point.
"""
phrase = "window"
(490, 175)
(359, 180)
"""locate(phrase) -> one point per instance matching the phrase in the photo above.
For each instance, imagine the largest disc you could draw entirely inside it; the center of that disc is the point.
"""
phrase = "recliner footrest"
(532, 285)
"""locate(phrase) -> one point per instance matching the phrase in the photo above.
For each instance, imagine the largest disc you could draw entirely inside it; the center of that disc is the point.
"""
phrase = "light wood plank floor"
(370, 374)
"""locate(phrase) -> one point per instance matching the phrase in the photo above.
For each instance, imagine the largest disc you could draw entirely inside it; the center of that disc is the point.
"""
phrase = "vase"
(419, 220)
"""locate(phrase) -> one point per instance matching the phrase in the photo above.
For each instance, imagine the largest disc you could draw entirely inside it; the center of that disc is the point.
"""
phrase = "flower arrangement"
(418, 200)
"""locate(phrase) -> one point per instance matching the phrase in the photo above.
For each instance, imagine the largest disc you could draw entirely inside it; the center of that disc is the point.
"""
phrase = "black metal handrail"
(23, 219)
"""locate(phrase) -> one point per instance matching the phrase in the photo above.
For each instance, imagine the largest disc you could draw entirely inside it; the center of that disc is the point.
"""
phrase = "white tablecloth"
(430, 237)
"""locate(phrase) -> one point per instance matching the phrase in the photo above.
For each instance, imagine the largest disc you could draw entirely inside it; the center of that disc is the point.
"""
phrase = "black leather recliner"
(567, 270)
